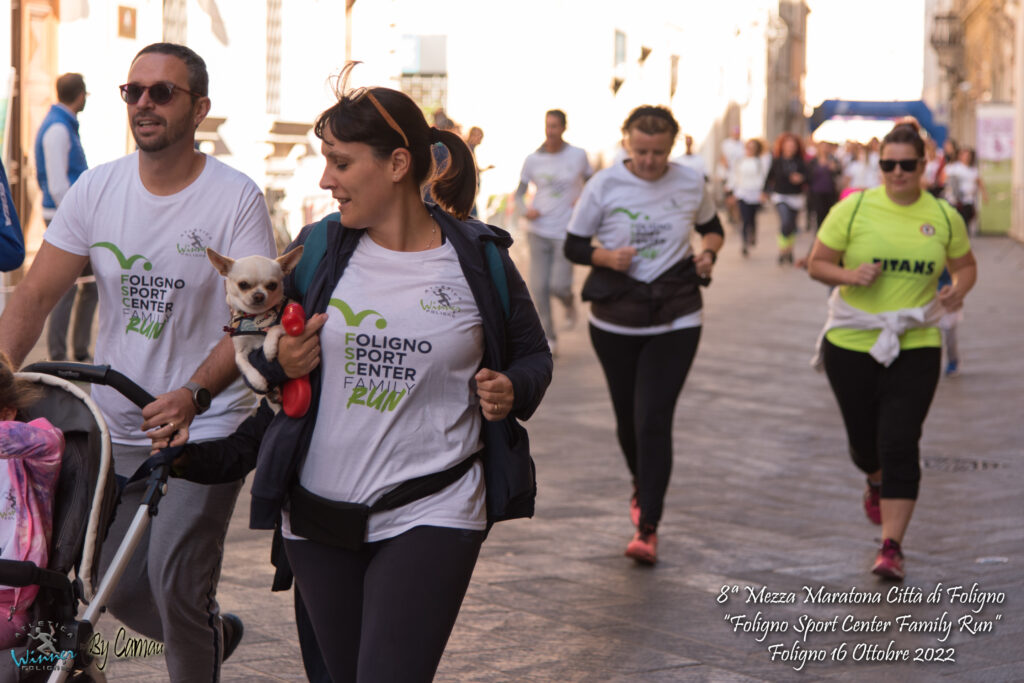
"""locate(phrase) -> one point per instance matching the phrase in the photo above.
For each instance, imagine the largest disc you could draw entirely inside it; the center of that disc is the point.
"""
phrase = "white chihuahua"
(255, 294)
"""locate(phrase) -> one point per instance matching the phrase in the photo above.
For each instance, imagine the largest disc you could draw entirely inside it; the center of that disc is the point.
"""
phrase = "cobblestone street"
(763, 495)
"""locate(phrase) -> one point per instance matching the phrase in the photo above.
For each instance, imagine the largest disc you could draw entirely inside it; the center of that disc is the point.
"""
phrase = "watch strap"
(194, 388)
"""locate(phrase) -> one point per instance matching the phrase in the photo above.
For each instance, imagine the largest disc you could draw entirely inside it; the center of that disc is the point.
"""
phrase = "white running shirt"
(401, 345)
(161, 303)
(558, 179)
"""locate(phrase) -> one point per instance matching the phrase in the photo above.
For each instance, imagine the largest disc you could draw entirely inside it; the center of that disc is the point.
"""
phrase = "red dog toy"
(295, 394)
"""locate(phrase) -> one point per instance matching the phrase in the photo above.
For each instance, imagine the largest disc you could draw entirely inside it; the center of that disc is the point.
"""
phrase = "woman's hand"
(951, 298)
(864, 274)
(964, 271)
(300, 354)
(617, 259)
(704, 263)
(496, 394)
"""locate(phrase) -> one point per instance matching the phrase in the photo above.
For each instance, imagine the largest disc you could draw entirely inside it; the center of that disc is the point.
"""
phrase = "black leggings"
(384, 613)
(749, 214)
(818, 206)
(645, 375)
(884, 409)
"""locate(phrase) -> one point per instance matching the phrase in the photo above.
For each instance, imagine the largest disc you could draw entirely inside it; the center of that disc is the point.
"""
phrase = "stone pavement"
(763, 495)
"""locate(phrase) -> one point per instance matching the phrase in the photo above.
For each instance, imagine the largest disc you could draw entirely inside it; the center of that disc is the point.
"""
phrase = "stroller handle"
(95, 374)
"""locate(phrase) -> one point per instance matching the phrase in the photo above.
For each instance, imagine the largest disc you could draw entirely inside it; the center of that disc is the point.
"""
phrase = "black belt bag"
(617, 298)
(343, 525)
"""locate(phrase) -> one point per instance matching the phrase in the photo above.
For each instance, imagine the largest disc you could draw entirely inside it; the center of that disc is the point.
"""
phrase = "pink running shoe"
(889, 563)
(872, 503)
(643, 548)
(634, 511)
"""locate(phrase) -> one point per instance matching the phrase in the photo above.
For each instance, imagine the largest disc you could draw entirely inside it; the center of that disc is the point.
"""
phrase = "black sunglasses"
(159, 93)
(889, 165)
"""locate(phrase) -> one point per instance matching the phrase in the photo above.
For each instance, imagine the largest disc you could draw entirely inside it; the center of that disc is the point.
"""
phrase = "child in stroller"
(33, 453)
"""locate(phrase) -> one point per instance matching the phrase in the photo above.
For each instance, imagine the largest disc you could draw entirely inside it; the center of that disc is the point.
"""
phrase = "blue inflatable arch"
(879, 110)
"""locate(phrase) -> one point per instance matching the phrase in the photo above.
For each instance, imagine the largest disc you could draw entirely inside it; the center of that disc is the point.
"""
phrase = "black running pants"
(384, 613)
(645, 376)
(884, 410)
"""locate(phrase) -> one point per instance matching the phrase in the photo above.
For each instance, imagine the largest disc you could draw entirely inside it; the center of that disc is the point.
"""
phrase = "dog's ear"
(221, 263)
(290, 260)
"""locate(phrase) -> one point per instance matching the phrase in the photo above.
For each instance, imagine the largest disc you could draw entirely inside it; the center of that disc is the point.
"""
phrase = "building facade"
(497, 65)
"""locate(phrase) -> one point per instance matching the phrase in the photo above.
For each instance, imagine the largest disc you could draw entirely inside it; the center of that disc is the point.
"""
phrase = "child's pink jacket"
(33, 452)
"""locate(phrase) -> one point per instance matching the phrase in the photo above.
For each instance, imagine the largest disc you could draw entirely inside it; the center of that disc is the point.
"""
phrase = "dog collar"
(254, 323)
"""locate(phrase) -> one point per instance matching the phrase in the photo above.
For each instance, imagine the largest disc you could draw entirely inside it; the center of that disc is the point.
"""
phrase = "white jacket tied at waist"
(891, 325)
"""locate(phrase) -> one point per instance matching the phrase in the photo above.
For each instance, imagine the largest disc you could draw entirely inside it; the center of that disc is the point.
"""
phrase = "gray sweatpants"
(168, 591)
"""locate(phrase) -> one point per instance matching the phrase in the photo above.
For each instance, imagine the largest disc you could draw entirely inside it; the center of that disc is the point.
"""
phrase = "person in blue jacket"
(60, 160)
(384, 491)
(12, 242)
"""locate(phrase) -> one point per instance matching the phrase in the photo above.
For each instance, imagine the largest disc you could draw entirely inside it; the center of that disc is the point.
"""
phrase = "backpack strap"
(495, 266)
(849, 226)
(315, 247)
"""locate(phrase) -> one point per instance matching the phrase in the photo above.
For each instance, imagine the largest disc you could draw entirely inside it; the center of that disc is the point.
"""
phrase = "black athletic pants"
(884, 409)
(645, 375)
(818, 206)
(749, 214)
(384, 613)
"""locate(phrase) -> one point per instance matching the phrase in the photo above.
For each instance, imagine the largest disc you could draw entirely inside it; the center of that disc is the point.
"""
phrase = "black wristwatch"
(714, 255)
(201, 397)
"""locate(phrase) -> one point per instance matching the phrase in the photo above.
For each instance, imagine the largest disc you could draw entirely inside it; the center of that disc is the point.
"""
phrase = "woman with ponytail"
(431, 351)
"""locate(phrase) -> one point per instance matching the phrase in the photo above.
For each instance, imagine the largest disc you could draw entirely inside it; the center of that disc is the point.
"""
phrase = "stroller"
(58, 643)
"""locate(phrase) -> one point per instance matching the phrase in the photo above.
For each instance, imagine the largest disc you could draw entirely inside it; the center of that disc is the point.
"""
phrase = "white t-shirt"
(558, 179)
(961, 183)
(748, 176)
(402, 343)
(733, 150)
(656, 217)
(694, 161)
(862, 174)
(931, 171)
(161, 303)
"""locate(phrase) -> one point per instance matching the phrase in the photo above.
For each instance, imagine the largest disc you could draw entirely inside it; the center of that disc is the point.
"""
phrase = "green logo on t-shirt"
(144, 298)
(353, 319)
(633, 215)
(126, 263)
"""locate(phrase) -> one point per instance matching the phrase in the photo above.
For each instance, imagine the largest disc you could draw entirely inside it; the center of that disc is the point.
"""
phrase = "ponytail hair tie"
(435, 136)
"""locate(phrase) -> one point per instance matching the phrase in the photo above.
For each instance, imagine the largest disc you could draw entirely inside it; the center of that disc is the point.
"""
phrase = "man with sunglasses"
(145, 222)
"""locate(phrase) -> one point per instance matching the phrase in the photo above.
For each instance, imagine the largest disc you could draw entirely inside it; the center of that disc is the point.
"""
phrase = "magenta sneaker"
(889, 563)
(634, 511)
(643, 548)
(872, 503)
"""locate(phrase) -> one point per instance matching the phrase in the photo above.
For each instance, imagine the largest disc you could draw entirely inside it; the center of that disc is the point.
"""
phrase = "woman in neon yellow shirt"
(884, 249)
